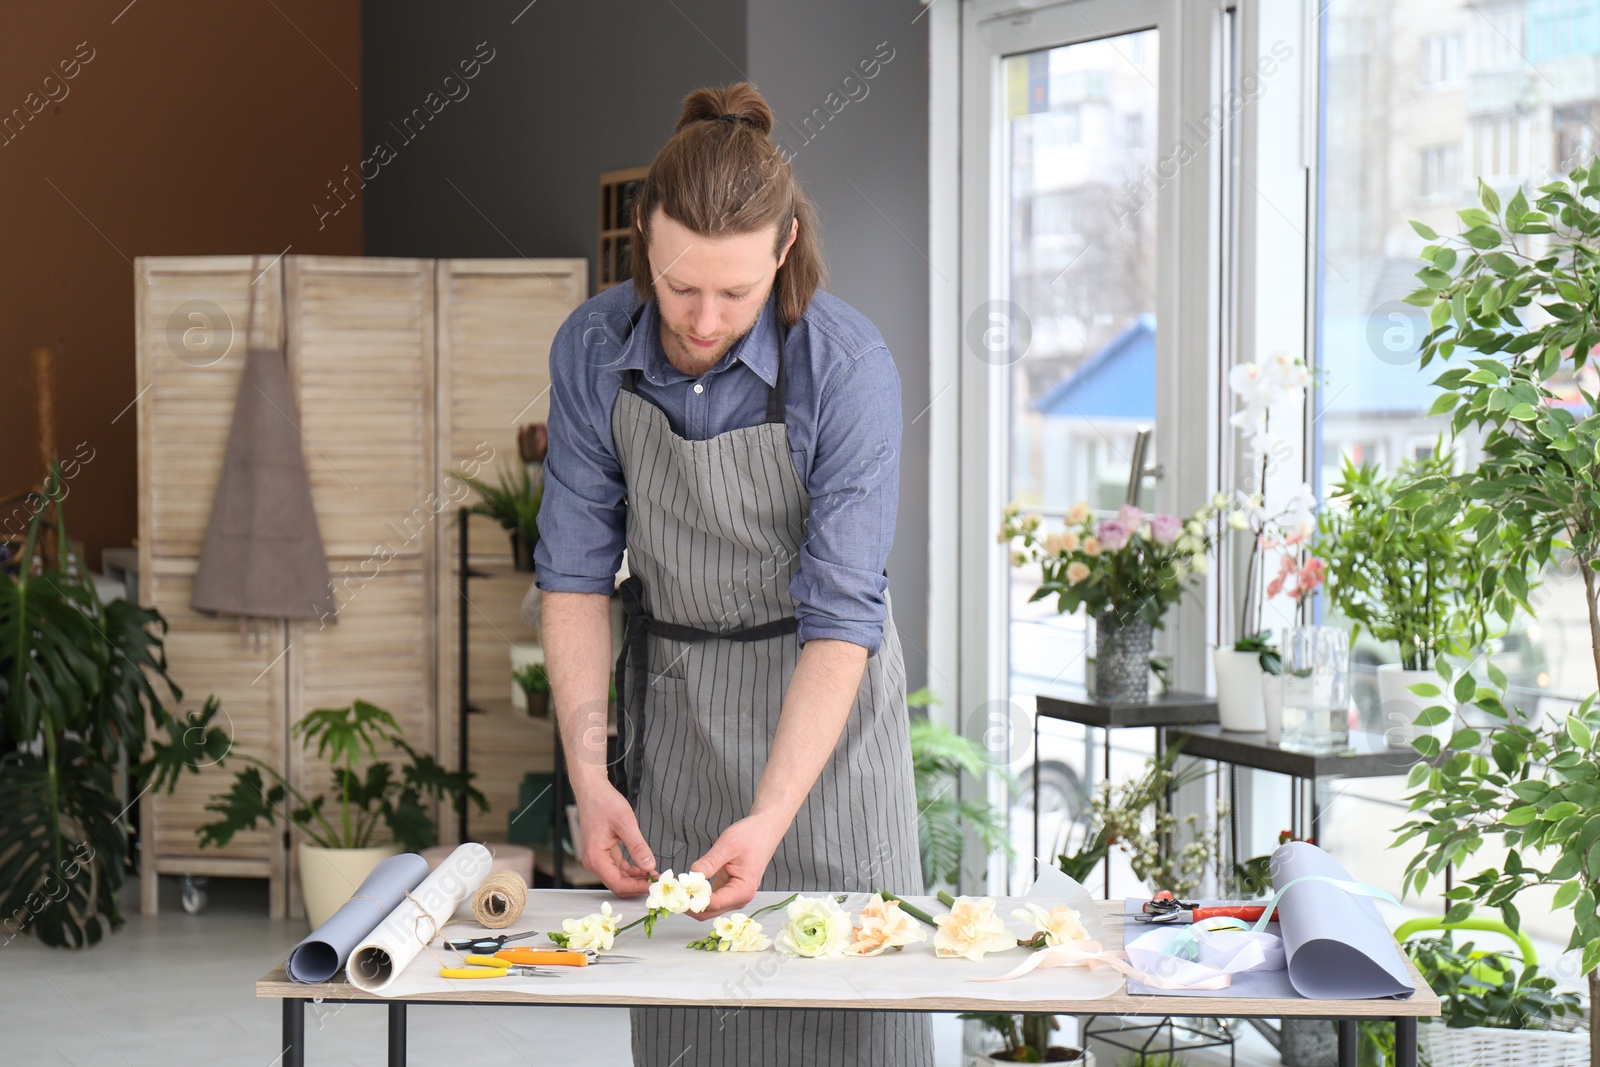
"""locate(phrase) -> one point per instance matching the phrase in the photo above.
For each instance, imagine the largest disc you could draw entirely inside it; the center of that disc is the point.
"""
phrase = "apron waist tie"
(632, 675)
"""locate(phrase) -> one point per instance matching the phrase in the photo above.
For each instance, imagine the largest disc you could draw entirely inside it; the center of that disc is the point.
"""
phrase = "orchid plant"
(1259, 388)
(1134, 562)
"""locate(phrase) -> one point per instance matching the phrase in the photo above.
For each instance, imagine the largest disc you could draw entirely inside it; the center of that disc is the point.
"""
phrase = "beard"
(690, 358)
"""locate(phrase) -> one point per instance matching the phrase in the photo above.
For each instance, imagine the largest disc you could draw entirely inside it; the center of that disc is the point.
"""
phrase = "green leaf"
(1424, 231)
(1566, 894)
(1491, 199)
(1425, 689)
(1523, 413)
(1432, 716)
(1557, 812)
(1482, 237)
(1578, 732)
(1465, 739)
(1520, 815)
(1465, 689)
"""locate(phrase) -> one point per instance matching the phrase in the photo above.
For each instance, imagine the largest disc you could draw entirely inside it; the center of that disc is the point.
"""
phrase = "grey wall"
(867, 169)
(581, 86)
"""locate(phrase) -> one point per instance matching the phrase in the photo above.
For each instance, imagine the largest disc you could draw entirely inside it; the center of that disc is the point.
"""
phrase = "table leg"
(1315, 805)
(1405, 1041)
(1036, 797)
(1105, 864)
(397, 1035)
(1349, 1042)
(294, 1033)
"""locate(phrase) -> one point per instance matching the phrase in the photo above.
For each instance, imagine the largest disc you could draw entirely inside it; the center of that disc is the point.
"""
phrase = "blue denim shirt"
(844, 423)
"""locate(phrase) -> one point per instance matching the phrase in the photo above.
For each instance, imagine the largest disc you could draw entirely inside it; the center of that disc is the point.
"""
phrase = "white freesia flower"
(817, 928)
(884, 925)
(739, 933)
(597, 931)
(971, 930)
(678, 893)
(1059, 925)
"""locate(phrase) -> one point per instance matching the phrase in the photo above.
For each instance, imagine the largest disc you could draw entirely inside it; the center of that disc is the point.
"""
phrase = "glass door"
(1071, 308)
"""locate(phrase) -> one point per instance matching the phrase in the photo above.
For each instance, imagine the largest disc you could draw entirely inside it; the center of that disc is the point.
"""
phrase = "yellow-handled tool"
(490, 967)
(557, 957)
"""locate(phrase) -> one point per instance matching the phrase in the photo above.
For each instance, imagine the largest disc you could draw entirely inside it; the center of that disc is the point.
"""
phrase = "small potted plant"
(1408, 575)
(339, 842)
(1025, 1038)
(1125, 571)
(939, 755)
(514, 503)
(534, 681)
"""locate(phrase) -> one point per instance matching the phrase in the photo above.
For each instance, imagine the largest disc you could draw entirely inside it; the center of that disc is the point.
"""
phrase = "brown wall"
(193, 128)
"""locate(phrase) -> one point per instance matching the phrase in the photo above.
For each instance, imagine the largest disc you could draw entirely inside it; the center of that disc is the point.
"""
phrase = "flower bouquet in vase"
(1125, 570)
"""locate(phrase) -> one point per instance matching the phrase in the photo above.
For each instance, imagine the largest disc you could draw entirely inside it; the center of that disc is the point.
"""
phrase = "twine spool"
(500, 900)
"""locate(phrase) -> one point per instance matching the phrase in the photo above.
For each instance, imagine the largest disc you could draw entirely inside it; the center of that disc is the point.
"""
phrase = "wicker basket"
(1476, 1046)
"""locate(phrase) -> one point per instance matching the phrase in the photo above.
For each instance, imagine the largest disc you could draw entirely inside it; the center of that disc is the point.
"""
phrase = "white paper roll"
(387, 951)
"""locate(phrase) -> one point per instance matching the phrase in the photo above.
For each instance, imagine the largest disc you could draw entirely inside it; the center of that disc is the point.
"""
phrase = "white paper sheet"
(386, 953)
(696, 978)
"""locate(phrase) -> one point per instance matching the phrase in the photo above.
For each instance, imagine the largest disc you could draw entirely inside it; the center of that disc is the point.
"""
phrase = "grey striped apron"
(714, 530)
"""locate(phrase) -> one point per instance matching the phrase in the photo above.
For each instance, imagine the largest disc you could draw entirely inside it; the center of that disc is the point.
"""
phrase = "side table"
(1171, 708)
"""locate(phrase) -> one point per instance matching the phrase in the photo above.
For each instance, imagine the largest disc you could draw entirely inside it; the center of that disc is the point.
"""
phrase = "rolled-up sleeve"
(582, 518)
(854, 486)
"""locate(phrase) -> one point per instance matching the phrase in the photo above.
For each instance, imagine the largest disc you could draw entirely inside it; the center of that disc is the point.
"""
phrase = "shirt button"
(699, 388)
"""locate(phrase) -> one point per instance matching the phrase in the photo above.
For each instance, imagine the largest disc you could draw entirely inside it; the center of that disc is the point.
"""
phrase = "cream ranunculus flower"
(1077, 571)
(971, 929)
(1070, 541)
(1054, 543)
(817, 928)
(1054, 927)
(739, 933)
(1077, 513)
(1091, 546)
(884, 925)
(597, 931)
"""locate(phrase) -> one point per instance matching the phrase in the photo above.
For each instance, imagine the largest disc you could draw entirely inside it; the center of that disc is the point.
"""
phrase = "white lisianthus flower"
(1179, 571)
(1220, 500)
(1199, 565)
(971, 929)
(817, 929)
(597, 931)
(739, 933)
(1194, 528)
(1057, 926)
(883, 926)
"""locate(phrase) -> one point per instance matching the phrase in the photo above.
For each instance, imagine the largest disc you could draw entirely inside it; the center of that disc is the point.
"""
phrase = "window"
(1441, 171)
(1441, 59)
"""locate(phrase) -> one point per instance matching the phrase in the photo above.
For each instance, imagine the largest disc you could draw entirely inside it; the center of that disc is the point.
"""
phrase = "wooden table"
(1347, 1013)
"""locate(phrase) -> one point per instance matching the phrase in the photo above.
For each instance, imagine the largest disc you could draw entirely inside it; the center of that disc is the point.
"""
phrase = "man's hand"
(607, 824)
(736, 863)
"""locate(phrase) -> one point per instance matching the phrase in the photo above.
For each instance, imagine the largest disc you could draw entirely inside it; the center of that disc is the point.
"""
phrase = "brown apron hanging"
(263, 554)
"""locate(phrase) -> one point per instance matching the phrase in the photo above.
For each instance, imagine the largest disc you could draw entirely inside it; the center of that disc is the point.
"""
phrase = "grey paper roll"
(320, 956)
(1336, 942)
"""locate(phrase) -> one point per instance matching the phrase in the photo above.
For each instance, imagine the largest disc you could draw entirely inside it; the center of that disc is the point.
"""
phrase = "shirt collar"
(757, 349)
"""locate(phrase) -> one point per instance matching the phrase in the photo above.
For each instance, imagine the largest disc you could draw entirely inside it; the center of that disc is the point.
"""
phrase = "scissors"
(560, 957)
(487, 945)
(1165, 909)
(492, 967)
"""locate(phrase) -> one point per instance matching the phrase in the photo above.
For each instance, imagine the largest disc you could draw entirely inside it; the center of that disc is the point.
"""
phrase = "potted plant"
(514, 503)
(1125, 571)
(81, 691)
(1132, 816)
(1516, 289)
(1025, 1038)
(1410, 575)
(534, 681)
(939, 756)
(339, 843)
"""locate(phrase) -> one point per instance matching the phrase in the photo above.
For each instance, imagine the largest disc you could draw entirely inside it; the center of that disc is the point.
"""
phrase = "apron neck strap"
(775, 394)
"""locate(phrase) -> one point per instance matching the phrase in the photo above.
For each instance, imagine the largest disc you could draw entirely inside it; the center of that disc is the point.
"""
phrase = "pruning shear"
(560, 957)
(487, 945)
(492, 967)
(1164, 909)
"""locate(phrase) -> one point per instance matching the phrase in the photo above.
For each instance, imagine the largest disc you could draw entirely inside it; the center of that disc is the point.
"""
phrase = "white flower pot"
(329, 876)
(1272, 705)
(1239, 705)
(1401, 706)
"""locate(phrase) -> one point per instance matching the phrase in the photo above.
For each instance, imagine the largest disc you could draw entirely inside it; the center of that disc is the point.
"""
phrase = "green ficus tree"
(1512, 301)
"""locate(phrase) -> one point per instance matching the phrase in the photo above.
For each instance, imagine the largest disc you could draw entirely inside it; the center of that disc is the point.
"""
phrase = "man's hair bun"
(743, 102)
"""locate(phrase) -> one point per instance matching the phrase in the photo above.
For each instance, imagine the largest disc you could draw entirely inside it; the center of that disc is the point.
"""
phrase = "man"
(738, 431)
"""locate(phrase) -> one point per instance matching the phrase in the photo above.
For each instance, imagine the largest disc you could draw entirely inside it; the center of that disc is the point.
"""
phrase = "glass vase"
(1122, 643)
(1316, 689)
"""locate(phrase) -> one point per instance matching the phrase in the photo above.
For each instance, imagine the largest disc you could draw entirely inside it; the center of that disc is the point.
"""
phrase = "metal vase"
(1122, 646)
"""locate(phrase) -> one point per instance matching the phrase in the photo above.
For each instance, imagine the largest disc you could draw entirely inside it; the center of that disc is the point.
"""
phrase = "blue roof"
(1117, 382)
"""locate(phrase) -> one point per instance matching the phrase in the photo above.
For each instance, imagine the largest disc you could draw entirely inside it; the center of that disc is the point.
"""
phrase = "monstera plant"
(79, 682)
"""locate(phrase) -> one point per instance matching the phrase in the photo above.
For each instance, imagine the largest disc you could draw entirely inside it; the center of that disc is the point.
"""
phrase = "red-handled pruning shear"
(1166, 908)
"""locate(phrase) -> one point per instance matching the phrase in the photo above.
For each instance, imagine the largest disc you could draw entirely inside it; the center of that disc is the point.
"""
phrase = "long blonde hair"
(721, 175)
